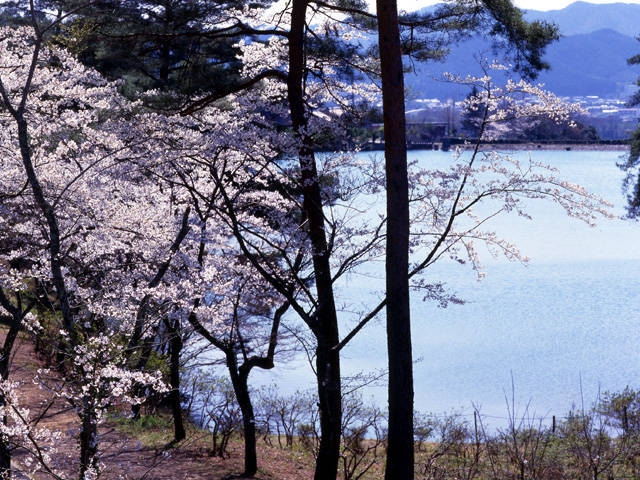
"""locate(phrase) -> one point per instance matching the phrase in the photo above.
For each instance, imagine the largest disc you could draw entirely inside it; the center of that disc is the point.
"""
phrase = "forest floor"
(142, 450)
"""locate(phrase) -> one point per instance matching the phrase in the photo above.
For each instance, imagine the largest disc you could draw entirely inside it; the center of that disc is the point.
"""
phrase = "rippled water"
(563, 327)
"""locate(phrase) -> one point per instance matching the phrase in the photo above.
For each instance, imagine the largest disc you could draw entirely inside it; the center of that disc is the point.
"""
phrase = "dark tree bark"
(17, 313)
(175, 349)
(5, 358)
(89, 461)
(54, 239)
(239, 375)
(145, 347)
(400, 442)
(240, 382)
(324, 323)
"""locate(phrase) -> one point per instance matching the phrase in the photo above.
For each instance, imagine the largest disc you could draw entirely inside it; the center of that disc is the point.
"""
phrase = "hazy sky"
(525, 4)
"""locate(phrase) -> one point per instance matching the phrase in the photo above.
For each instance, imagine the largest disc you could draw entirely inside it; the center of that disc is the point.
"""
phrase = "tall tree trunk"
(329, 401)
(5, 359)
(145, 354)
(54, 238)
(165, 47)
(9, 342)
(400, 442)
(324, 324)
(5, 451)
(240, 382)
(175, 349)
(89, 461)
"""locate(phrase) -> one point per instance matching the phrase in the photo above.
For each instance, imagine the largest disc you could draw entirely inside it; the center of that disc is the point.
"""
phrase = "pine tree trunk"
(400, 456)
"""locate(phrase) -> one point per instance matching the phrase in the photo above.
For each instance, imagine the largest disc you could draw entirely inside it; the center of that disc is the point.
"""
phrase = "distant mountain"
(582, 17)
(592, 64)
(589, 59)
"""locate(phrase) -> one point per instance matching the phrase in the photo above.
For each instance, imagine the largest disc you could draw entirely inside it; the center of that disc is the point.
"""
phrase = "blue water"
(562, 328)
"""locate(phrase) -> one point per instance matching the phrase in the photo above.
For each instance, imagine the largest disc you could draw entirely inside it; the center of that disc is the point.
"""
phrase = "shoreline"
(604, 147)
(515, 146)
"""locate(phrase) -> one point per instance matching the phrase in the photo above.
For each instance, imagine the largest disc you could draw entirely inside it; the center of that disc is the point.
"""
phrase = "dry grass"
(144, 453)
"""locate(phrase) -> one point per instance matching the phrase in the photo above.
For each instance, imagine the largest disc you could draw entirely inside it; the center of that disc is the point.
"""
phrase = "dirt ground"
(146, 457)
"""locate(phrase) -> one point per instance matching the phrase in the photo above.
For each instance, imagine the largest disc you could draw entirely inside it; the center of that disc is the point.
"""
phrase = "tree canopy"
(632, 181)
(136, 227)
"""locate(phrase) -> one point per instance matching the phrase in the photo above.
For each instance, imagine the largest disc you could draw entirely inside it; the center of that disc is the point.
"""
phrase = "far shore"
(621, 147)
(516, 146)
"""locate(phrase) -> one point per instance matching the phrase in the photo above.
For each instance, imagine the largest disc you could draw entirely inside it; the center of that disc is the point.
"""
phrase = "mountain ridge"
(584, 17)
(590, 59)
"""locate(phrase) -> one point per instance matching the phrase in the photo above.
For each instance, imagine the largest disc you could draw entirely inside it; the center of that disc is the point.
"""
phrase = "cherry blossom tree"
(247, 339)
(18, 307)
(127, 218)
(119, 197)
(21, 429)
(88, 164)
(74, 210)
(285, 67)
(214, 157)
(444, 216)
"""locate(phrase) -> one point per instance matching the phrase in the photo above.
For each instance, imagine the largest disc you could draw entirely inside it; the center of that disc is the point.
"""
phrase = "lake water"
(563, 327)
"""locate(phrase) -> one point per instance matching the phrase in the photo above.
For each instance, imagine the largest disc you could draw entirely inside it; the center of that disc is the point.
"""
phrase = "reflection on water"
(563, 327)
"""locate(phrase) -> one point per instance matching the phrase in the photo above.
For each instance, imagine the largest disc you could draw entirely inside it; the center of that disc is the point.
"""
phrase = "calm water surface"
(563, 327)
